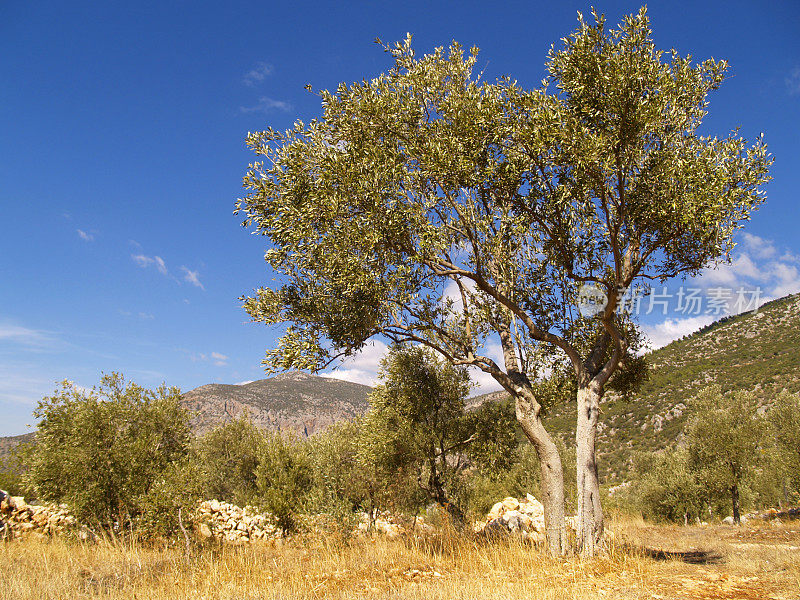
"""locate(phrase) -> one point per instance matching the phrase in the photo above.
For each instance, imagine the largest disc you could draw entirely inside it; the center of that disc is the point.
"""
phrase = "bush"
(227, 458)
(101, 451)
(283, 478)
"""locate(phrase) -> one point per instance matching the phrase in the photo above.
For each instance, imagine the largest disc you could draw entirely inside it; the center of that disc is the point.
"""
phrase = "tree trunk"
(737, 518)
(590, 513)
(552, 475)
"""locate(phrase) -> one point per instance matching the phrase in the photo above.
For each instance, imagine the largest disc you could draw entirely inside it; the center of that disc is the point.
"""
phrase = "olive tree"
(430, 206)
(622, 190)
(417, 413)
(102, 450)
(394, 215)
(783, 421)
(723, 437)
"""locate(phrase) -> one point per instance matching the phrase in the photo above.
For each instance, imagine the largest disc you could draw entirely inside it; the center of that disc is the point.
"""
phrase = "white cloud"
(731, 274)
(787, 280)
(257, 74)
(244, 382)
(192, 277)
(145, 261)
(86, 237)
(146, 316)
(267, 105)
(670, 330)
(775, 273)
(220, 360)
(759, 246)
(793, 82)
(361, 367)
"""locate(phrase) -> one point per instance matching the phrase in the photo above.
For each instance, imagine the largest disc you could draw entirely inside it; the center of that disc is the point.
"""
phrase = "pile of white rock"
(523, 517)
(20, 519)
(230, 523)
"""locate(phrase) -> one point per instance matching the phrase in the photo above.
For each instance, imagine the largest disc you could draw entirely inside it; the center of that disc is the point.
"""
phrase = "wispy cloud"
(267, 105)
(219, 359)
(793, 82)
(192, 277)
(31, 338)
(85, 236)
(257, 74)
(146, 261)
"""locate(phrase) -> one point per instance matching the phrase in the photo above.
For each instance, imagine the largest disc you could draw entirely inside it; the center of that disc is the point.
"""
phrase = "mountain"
(757, 351)
(295, 401)
(8, 443)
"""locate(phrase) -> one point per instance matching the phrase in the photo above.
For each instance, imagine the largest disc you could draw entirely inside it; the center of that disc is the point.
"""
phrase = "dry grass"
(751, 563)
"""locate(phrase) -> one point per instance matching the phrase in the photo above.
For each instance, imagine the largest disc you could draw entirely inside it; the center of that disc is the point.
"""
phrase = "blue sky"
(122, 152)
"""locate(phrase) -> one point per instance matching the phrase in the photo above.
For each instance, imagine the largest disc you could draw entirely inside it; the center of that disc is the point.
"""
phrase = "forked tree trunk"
(590, 512)
(552, 475)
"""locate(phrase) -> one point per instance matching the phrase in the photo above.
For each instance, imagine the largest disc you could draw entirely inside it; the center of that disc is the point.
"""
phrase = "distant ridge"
(291, 401)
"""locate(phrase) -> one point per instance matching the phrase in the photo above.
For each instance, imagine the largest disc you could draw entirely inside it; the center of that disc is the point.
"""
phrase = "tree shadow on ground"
(694, 557)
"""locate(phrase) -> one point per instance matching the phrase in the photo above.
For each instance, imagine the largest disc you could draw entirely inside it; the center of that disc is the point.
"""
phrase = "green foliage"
(339, 477)
(283, 478)
(783, 421)
(102, 451)
(668, 487)
(228, 456)
(417, 422)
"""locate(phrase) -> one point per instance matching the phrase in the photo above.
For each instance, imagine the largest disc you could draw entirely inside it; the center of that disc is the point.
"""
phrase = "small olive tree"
(101, 451)
(783, 420)
(723, 437)
(417, 416)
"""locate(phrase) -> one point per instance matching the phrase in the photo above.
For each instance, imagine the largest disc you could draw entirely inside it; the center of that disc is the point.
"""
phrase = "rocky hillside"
(8, 443)
(756, 351)
(296, 401)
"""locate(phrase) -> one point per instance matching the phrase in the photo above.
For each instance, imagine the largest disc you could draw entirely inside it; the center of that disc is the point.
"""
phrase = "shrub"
(101, 451)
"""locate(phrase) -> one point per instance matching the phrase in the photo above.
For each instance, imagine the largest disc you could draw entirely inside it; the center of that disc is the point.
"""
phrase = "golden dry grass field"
(757, 562)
